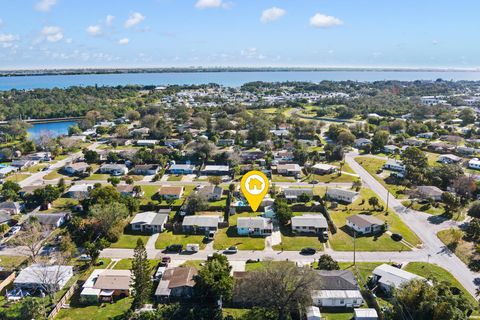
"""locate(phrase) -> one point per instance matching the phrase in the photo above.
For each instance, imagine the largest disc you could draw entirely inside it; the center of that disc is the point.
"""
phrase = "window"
(342, 301)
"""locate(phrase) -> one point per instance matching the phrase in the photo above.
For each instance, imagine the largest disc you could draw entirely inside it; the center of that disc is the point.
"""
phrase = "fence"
(7, 279)
(63, 301)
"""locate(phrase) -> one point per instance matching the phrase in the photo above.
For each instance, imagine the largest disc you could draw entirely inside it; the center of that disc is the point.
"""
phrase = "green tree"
(282, 211)
(215, 180)
(196, 202)
(379, 140)
(416, 165)
(108, 219)
(213, 281)
(326, 262)
(91, 156)
(467, 115)
(46, 195)
(10, 190)
(114, 181)
(32, 308)
(141, 276)
(373, 201)
(451, 201)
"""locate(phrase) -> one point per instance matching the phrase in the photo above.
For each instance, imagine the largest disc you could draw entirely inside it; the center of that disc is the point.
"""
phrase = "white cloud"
(109, 19)
(134, 19)
(7, 40)
(123, 41)
(323, 21)
(52, 33)
(95, 30)
(272, 14)
(45, 5)
(202, 4)
(434, 42)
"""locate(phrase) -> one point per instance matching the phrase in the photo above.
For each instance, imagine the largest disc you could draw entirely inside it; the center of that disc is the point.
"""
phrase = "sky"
(36, 34)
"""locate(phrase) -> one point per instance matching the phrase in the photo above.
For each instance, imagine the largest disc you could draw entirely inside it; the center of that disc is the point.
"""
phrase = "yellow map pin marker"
(254, 185)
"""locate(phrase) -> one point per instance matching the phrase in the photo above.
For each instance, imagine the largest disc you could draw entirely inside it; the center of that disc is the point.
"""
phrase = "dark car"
(165, 261)
(396, 237)
(174, 248)
(314, 181)
(308, 251)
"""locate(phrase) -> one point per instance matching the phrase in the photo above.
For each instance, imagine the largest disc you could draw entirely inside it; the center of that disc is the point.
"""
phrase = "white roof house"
(311, 223)
(474, 163)
(342, 195)
(313, 313)
(39, 276)
(390, 277)
(149, 220)
(365, 314)
(201, 221)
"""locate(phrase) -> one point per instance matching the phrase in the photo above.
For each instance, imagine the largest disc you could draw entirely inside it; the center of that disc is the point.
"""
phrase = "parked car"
(174, 248)
(14, 230)
(165, 261)
(396, 237)
(308, 251)
(325, 235)
(314, 181)
(231, 250)
(210, 236)
(84, 257)
(192, 247)
(159, 274)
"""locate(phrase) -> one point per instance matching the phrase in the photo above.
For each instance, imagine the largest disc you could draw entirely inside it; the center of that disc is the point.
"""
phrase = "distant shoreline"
(88, 71)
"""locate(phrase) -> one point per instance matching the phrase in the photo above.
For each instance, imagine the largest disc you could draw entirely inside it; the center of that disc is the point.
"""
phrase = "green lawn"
(55, 174)
(11, 262)
(260, 264)
(167, 238)
(362, 270)
(280, 178)
(293, 242)
(235, 313)
(372, 165)
(174, 178)
(464, 250)
(427, 208)
(98, 176)
(17, 177)
(36, 168)
(150, 194)
(435, 272)
(105, 311)
(337, 314)
(343, 241)
(227, 237)
(126, 264)
(193, 263)
(334, 177)
(129, 241)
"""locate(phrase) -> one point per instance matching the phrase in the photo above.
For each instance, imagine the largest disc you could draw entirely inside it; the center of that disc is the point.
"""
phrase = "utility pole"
(354, 247)
(388, 198)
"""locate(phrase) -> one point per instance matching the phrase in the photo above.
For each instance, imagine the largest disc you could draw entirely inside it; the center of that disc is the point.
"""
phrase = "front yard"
(343, 240)
(293, 242)
(167, 238)
(464, 250)
(129, 241)
(227, 237)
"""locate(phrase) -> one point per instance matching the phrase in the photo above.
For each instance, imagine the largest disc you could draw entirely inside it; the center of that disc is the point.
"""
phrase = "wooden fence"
(7, 279)
(63, 301)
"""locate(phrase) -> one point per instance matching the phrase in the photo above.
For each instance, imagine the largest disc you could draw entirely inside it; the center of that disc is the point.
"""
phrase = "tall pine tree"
(141, 280)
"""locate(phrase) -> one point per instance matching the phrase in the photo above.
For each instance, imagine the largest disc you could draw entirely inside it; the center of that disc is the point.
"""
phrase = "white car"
(84, 257)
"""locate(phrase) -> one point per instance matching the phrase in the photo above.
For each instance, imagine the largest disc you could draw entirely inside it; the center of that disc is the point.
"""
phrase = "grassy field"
(235, 313)
(17, 177)
(280, 178)
(36, 168)
(129, 241)
(167, 238)
(290, 241)
(425, 207)
(174, 178)
(98, 176)
(193, 263)
(105, 311)
(260, 264)
(151, 194)
(432, 271)
(343, 241)
(55, 174)
(334, 177)
(372, 165)
(126, 264)
(11, 262)
(227, 237)
(464, 250)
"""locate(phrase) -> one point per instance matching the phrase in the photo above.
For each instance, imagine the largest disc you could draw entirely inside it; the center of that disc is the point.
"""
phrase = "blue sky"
(321, 33)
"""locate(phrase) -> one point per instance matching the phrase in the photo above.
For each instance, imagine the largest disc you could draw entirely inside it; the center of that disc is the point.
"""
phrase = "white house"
(342, 195)
(254, 226)
(215, 170)
(171, 192)
(79, 191)
(309, 223)
(390, 148)
(149, 222)
(361, 143)
(394, 165)
(76, 168)
(323, 168)
(211, 193)
(39, 276)
(289, 169)
(474, 164)
(449, 158)
(388, 277)
(147, 143)
(313, 313)
(365, 224)
(426, 135)
(365, 314)
(114, 169)
(291, 194)
(202, 224)
(337, 288)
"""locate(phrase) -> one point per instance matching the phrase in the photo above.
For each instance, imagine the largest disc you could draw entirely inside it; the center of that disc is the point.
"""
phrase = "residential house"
(149, 221)
(394, 165)
(176, 283)
(146, 169)
(474, 164)
(289, 169)
(181, 169)
(362, 143)
(23, 163)
(254, 226)
(211, 193)
(171, 192)
(5, 171)
(174, 143)
(5, 217)
(140, 132)
(440, 146)
(365, 224)
(337, 288)
(283, 156)
(27, 190)
(309, 223)
(79, 191)
(103, 285)
(413, 142)
(466, 151)
(426, 135)
(39, 156)
(323, 168)
(343, 195)
(12, 207)
(37, 276)
(313, 313)
(147, 143)
(268, 212)
(77, 168)
(428, 192)
(292, 194)
(251, 155)
(280, 133)
(449, 159)
(225, 142)
(51, 220)
(114, 169)
(201, 224)
(388, 277)
(365, 314)
(390, 149)
(127, 190)
(216, 170)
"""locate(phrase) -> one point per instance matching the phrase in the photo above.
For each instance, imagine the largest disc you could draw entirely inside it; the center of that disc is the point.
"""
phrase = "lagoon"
(54, 129)
(231, 79)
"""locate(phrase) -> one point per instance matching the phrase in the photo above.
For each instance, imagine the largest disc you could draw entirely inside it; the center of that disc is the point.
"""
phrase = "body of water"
(54, 129)
(232, 79)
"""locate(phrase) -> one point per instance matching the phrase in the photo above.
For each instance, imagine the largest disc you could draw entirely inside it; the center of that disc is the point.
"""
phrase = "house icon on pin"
(255, 184)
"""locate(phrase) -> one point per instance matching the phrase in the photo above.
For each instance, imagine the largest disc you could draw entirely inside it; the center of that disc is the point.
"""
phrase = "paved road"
(426, 228)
